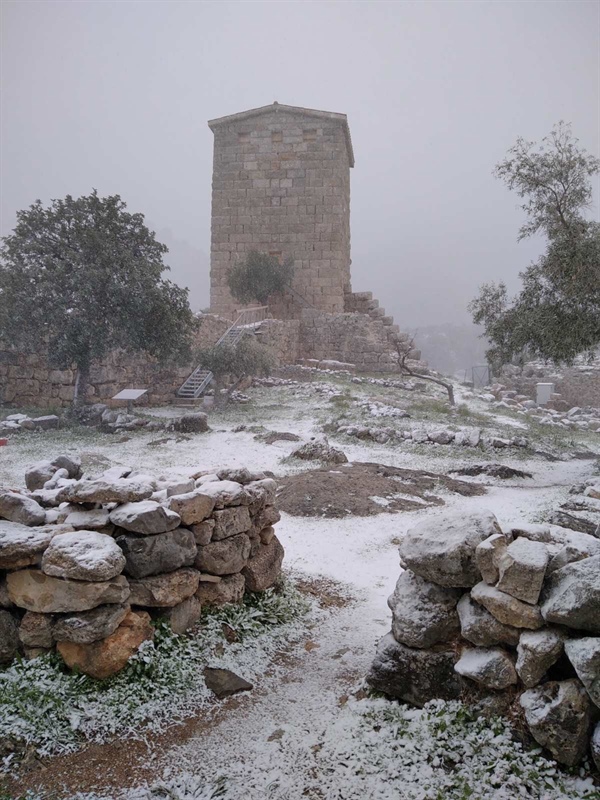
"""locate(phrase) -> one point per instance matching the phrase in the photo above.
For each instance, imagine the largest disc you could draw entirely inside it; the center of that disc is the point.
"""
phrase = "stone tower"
(281, 185)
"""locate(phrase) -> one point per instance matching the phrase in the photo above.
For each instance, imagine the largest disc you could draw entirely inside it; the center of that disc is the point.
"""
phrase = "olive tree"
(258, 277)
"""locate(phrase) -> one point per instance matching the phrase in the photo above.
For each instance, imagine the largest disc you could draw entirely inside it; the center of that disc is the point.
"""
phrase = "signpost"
(130, 395)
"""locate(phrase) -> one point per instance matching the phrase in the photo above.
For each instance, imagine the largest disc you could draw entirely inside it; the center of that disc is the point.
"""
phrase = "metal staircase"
(197, 383)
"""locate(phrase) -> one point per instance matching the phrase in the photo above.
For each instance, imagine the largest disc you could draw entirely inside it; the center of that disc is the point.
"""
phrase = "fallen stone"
(108, 656)
(490, 667)
(522, 569)
(507, 609)
(414, 676)
(193, 507)
(35, 630)
(571, 596)
(21, 546)
(89, 626)
(224, 557)
(487, 554)
(263, 570)
(117, 490)
(442, 549)
(184, 615)
(152, 555)
(164, 590)
(84, 556)
(94, 519)
(18, 508)
(229, 589)
(584, 654)
(145, 517)
(224, 683)
(46, 423)
(480, 628)
(9, 637)
(35, 591)
(423, 614)
(537, 651)
(558, 716)
(230, 522)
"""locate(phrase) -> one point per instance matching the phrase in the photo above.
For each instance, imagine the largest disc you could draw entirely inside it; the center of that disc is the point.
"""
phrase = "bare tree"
(403, 349)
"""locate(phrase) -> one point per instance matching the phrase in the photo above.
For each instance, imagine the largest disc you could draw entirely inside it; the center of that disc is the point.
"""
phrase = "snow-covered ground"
(292, 738)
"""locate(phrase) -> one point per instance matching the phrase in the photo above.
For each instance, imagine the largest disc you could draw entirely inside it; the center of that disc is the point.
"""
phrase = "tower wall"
(281, 185)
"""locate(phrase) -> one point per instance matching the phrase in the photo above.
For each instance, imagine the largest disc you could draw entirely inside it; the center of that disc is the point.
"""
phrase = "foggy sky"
(116, 95)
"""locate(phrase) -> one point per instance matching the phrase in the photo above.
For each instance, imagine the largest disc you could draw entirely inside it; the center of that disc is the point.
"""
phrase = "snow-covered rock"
(36, 591)
(571, 596)
(537, 651)
(153, 555)
(145, 517)
(584, 654)
(168, 590)
(480, 628)
(193, 507)
(487, 554)
(83, 555)
(507, 609)
(19, 508)
(490, 667)
(522, 568)
(105, 491)
(85, 627)
(423, 614)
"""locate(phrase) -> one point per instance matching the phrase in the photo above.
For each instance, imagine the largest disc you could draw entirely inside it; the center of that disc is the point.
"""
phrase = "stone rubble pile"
(466, 437)
(508, 621)
(556, 413)
(17, 423)
(87, 564)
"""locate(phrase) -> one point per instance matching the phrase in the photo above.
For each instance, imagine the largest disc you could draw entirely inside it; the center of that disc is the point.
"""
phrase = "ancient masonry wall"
(577, 386)
(281, 184)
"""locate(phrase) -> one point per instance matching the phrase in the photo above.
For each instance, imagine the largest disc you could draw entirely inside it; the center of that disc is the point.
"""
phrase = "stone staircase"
(364, 303)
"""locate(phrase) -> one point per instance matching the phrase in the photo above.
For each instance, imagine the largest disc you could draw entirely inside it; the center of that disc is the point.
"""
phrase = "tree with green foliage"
(259, 277)
(83, 277)
(556, 316)
(247, 357)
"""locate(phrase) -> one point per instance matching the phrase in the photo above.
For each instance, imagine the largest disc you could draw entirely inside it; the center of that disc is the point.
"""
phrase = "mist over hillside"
(452, 349)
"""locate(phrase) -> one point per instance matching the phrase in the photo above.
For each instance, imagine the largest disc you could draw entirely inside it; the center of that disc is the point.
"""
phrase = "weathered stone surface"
(490, 667)
(507, 609)
(108, 656)
(225, 493)
(71, 463)
(268, 517)
(522, 569)
(9, 637)
(184, 615)
(486, 556)
(35, 630)
(559, 718)
(468, 438)
(21, 546)
(584, 654)
(264, 569)
(37, 475)
(566, 555)
(224, 682)
(196, 422)
(480, 628)
(415, 676)
(320, 451)
(537, 651)
(441, 436)
(5, 601)
(193, 507)
(595, 745)
(158, 591)
(164, 552)
(18, 508)
(239, 475)
(229, 589)
(47, 422)
(423, 614)
(89, 626)
(571, 596)
(35, 591)
(203, 531)
(442, 549)
(94, 519)
(230, 522)
(84, 556)
(116, 490)
(262, 493)
(146, 517)
(266, 535)
(181, 486)
(224, 557)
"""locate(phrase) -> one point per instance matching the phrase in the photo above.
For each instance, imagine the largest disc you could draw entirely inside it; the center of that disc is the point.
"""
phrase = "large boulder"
(482, 629)
(584, 654)
(21, 546)
(490, 667)
(145, 517)
(263, 569)
(115, 490)
(228, 589)
(192, 507)
(18, 508)
(559, 718)
(84, 556)
(537, 651)
(224, 557)
(522, 568)
(442, 549)
(35, 591)
(423, 614)
(571, 596)
(108, 656)
(415, 676)
(230, 522)
(85, 627)
(152, 555)
(506, 608)
(164, 591)
(9, 637)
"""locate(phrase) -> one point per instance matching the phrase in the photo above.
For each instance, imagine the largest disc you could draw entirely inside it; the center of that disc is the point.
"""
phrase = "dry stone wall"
(87, 564)
(506, 620)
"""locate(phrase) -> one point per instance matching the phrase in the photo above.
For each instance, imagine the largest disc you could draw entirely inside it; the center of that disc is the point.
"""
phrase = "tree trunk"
(81, 384)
